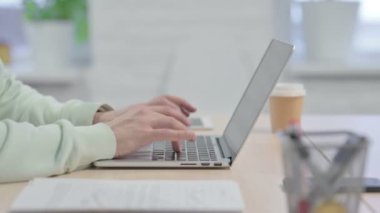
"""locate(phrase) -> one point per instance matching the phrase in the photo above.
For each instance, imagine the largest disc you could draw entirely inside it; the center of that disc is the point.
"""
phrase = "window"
(366, 48)
(369, 27)
(10, 3)
(12, 31)
(370, 11)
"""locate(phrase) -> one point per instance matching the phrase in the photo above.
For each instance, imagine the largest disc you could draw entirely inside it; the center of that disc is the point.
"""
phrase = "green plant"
(74, 10)
(50, 9)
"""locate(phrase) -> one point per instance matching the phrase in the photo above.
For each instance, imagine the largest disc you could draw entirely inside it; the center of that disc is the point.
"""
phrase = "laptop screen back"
(256, 94)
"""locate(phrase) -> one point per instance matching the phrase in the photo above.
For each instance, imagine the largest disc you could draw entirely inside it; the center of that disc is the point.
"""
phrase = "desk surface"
(258, 168)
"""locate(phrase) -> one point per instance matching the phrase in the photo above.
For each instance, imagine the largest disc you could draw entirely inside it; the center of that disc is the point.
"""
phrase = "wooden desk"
(258, 170)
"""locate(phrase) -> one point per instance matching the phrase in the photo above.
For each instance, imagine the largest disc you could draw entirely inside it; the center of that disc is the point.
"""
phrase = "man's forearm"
(27, 151)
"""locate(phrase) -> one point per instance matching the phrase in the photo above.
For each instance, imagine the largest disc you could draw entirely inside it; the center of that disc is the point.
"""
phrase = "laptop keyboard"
(199, 150)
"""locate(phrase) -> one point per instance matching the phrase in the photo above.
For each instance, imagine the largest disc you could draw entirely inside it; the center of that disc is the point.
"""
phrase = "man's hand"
(175, 103)
(143, 126)
(162, 118)
(166, 104)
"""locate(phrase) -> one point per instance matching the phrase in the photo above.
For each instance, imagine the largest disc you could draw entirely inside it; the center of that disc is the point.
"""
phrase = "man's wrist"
(100, 115)
(97, 117)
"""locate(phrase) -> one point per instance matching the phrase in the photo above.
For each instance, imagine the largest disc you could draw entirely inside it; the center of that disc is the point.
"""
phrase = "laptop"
(217, 151)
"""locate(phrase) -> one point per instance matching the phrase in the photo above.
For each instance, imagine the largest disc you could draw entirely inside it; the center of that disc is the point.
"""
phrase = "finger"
(163, 101)
(185, 112)
(176, 146)
(182, 103)
(161, 121)
(172, 113)
(171, 135)
(173, 124)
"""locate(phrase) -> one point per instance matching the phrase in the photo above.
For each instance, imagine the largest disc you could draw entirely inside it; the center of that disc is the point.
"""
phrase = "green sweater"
(41, 137)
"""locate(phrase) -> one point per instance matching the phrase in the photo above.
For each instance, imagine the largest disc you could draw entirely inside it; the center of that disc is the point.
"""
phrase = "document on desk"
(89, 195)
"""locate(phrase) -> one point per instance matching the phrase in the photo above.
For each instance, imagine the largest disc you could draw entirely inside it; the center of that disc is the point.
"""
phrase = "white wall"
(143, 48)
(137, 45)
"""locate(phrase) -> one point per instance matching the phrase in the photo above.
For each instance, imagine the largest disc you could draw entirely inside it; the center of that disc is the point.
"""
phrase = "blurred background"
(127, 51)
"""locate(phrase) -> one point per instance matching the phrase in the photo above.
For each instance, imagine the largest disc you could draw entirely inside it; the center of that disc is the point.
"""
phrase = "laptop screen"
(256, 94)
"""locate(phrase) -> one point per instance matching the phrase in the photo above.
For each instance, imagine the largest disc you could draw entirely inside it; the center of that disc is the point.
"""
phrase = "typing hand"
(163, 118)
(168, 105)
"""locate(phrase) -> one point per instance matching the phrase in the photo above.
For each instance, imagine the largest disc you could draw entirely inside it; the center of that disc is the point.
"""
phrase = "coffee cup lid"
(289, 89)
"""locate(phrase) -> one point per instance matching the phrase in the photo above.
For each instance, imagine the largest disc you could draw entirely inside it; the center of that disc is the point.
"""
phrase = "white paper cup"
(286, 105)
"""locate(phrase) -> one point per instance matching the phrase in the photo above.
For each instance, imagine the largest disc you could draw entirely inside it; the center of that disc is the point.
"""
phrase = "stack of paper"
(88, 195)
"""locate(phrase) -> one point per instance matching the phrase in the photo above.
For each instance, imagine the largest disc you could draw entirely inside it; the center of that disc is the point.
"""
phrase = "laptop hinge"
(225, 151)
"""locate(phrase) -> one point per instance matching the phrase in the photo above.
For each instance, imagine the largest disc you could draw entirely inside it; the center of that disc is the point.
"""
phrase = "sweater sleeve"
(27, 151)
(20, 103)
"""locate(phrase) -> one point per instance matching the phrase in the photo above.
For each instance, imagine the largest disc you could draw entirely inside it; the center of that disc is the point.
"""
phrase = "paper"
(54, 194)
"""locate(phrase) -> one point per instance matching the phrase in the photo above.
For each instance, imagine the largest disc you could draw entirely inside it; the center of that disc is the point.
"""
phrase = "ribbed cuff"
(96, 142)
(81, 113)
